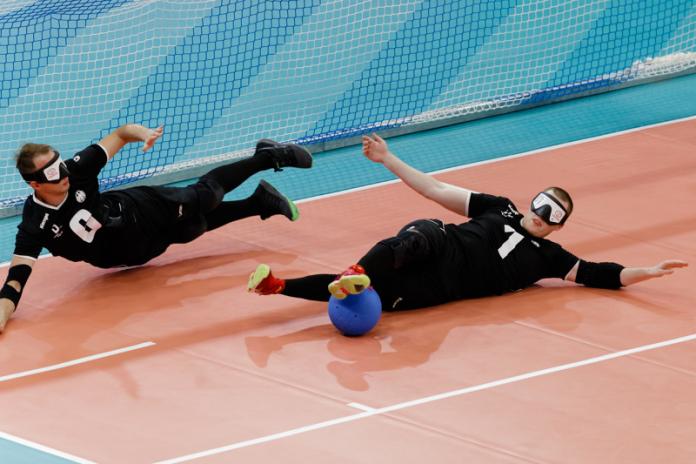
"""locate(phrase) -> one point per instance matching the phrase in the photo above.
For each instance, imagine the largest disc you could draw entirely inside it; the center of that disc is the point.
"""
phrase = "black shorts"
(161, 206)
(427, 264)
(157, 217)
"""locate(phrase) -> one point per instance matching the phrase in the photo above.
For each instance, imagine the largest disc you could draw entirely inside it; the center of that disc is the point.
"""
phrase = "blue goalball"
(356, 314)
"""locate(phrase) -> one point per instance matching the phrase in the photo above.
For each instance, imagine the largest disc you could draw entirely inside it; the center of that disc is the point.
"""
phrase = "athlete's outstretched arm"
(603, 274)
(130, 133)
(19, 271)
(450, 196)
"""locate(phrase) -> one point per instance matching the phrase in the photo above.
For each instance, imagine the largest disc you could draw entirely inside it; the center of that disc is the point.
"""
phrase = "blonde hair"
(561, 194)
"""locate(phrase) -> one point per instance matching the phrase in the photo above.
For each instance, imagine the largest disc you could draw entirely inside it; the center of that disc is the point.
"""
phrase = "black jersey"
(86, 226)
(497, 254)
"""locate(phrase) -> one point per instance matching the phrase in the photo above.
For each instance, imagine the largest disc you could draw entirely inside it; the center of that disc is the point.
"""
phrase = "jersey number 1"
(84, 225)
(511, 242)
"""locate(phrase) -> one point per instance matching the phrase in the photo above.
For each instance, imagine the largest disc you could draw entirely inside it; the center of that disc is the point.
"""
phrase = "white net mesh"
(221, 74)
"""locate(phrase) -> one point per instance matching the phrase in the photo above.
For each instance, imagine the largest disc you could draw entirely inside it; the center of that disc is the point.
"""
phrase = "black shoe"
(284, 154)
(266, 143)
(273, 202)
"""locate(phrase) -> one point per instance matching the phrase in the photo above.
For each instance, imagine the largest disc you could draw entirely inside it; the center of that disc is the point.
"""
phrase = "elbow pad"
(19, 273)
(599, 275)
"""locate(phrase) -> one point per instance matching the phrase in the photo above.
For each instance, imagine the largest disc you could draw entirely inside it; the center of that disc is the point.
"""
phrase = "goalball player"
(498, 250)
(68, 215)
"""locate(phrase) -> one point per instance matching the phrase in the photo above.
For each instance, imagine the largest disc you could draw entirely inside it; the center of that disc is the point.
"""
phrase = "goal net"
(221, 74)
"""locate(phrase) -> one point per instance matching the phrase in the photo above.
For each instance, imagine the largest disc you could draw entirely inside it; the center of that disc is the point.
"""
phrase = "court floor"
(176, 362)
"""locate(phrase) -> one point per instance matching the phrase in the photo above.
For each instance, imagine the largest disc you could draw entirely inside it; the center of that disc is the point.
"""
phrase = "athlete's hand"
(666, 267)
(151, 137)
(375, 148)
(6, 310)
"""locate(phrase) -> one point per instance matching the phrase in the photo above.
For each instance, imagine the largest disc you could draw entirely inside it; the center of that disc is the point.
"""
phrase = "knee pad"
(428, 227)
(407, 247)
(417, 240)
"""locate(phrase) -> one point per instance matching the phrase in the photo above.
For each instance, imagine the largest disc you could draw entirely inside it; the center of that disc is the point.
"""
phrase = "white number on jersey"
(511, 242)
(84, 225)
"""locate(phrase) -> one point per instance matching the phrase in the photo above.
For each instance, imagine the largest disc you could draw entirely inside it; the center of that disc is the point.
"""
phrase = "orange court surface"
(194, 368)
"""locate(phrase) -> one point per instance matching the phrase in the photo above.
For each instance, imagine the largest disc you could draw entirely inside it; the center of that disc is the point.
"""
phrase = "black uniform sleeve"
(562, 261)
(26, 244)
(88, 162)
(479, 203)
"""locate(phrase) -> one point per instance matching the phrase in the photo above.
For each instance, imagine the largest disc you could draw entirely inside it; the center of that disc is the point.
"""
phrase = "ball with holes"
(356, 315)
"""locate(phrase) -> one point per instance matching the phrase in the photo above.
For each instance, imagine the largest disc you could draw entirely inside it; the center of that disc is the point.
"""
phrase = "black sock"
(229, 211)
(313, 287)
(230, 176)
(378, 264)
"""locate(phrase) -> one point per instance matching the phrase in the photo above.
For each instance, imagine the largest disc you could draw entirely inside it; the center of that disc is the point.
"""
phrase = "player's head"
(41, 167)
(550, 209)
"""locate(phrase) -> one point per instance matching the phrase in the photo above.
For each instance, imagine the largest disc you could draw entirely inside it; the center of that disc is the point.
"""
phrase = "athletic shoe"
(351, 282)
(273, 202)
(284, 154)
(263, 282)
(265, 143)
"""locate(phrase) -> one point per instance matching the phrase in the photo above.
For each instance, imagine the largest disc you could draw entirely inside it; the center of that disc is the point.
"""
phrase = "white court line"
(362, 407)
(428, 399)
(505, 158)
(45, 449)
(74, 362)
(478, 163)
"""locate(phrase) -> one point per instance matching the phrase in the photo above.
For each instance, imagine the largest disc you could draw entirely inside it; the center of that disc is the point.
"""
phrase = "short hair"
(27, 153)
(561, 194)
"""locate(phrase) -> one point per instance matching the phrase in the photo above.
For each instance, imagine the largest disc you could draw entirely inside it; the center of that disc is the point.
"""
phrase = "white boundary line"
(428, 399)
(361, 407)
(504, 158)
(43, 448)
(368, 411)
(74, 362)
(479, 163)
